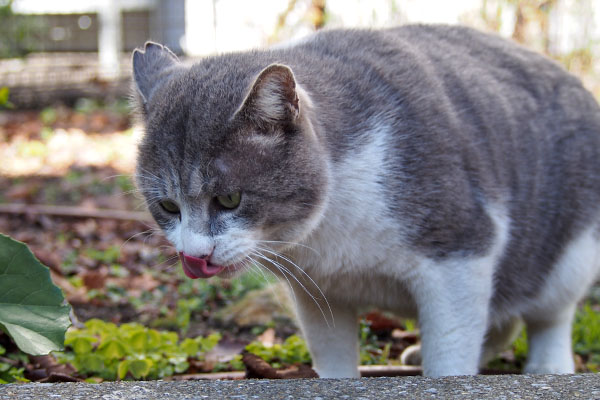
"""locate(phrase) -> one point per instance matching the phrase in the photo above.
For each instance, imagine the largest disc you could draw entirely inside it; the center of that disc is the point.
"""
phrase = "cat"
(438, 172)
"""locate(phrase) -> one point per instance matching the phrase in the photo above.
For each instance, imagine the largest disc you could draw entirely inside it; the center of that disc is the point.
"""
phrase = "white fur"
(355, 231)
(549, 317)
(264, 142)
(575, 271)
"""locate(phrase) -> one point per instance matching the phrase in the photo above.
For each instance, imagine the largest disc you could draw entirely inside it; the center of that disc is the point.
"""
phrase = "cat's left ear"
(273, 97)
(149, 66)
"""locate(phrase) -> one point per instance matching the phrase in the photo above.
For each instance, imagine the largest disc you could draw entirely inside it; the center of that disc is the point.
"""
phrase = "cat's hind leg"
(550, 316)
(549, 339)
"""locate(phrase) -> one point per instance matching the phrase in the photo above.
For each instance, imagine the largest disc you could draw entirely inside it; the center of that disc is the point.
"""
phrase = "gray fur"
(474, 120)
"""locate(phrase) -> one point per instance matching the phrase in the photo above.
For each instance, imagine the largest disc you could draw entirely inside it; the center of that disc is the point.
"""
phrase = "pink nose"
(198, 267)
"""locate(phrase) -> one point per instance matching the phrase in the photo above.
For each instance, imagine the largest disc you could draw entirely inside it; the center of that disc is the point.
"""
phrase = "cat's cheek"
(173, 235)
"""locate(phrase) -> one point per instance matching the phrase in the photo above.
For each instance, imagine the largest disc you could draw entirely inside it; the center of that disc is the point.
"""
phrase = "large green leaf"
(31, 307)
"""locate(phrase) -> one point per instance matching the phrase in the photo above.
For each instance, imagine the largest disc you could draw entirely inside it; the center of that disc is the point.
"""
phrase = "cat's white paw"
(339, 373)
(562, 368)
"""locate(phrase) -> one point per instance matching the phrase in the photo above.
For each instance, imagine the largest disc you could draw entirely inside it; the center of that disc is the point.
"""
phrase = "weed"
(108, 256)
(48, 116)
(292, 351)
(8, 372)
(108, 351)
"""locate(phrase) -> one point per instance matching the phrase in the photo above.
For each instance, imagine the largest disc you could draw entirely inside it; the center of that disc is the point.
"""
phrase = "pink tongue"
(195, 267)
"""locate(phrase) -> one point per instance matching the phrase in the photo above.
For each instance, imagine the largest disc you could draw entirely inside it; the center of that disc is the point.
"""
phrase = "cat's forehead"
(215, 90)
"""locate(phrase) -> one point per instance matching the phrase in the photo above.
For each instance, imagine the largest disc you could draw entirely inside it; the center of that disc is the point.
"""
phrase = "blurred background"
(67, 148)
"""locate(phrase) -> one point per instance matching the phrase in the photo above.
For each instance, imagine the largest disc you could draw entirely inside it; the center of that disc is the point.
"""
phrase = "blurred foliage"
(292, 351)
(4, 102)
(586, 336)
(20, 33)
(9, 372)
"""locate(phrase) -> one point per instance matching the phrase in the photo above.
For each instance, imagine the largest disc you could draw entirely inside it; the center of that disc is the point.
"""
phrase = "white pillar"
(109, 38)
(200, 28)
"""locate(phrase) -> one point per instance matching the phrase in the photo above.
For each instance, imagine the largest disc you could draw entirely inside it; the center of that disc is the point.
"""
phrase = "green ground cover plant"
(10, 373)
(292, 351)
(131, 351)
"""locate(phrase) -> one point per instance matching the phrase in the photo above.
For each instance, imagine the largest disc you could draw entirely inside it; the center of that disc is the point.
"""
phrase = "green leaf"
(190, 347)
(31, 307)
(181, 367)
(89, 363)
(4, 92)
(140, 368)
(81, 344)
(112, 349)
(138, 341)
(123, 368)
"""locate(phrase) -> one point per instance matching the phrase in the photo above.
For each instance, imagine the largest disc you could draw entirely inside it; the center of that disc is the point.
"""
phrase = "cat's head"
(230, 165)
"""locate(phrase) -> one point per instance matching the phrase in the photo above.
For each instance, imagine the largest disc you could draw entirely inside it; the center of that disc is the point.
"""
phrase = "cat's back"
(472, 122)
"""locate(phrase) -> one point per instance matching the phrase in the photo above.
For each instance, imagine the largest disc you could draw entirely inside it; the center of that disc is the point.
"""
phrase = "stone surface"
(583, 386)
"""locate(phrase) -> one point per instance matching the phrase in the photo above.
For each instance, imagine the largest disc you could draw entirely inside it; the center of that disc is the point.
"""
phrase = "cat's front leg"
(333, 343)
(453, 303)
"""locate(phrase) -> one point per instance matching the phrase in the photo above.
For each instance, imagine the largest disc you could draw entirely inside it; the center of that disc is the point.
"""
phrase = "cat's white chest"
(356, 241)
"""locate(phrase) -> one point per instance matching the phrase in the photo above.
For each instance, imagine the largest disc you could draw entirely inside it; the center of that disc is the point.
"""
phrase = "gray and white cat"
(434, 171)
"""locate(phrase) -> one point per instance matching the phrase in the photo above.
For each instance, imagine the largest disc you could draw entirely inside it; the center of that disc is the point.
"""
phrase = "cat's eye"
(230, 201)
(169, 206)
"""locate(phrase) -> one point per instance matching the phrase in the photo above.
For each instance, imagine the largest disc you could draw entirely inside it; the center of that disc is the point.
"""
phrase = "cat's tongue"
(195, 267)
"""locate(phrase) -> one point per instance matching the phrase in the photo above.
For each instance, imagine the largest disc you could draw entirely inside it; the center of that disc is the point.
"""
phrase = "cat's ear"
(148, 66)
(273, 97)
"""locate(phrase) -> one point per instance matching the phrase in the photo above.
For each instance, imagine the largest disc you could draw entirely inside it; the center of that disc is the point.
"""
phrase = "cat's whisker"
(169, 268)
(132, 191)
(292, 243)
(168, 260)
(247, 262)
(260, 270)
(136, 235)
(149, 175)
(255, 267)
(130, 176)
(283, 269)
(295, 300)
(303, 272)
(251, 266)
(155, 231)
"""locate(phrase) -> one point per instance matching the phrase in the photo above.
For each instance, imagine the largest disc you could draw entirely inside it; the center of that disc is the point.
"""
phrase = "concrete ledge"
(583, 386)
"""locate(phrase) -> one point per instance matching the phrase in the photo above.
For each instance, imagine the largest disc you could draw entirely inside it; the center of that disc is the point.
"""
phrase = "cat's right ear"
(272, 97)
(149, 66)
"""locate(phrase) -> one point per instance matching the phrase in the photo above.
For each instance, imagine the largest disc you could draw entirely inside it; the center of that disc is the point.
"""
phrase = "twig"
(72, 211)
(371, 371)
(6, 360)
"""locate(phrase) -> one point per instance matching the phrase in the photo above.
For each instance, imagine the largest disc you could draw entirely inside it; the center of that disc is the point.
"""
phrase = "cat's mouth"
(195, 267)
